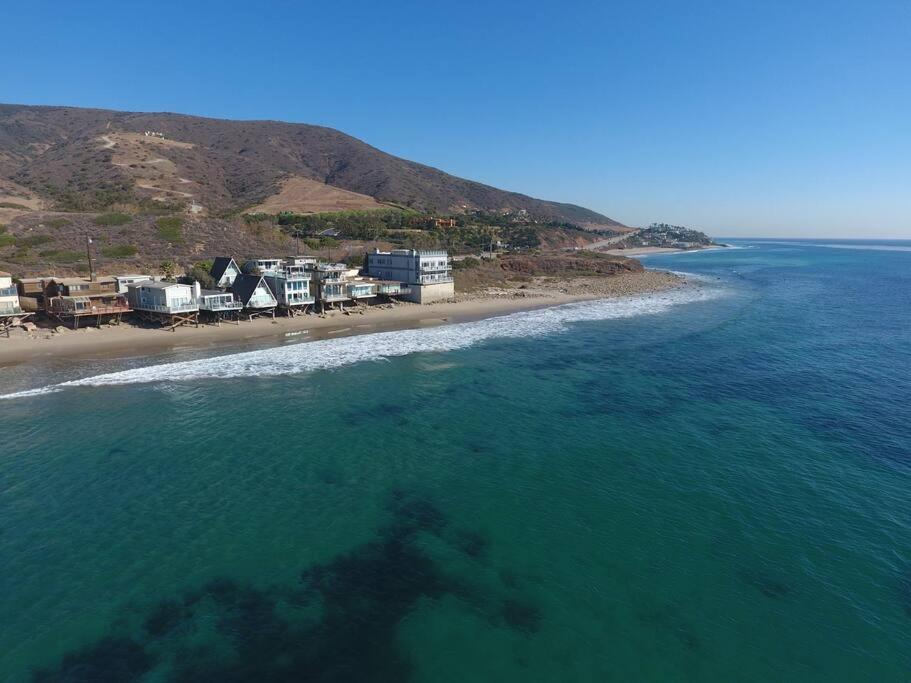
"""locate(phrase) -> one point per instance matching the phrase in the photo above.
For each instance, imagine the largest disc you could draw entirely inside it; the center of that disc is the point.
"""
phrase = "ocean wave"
(326, 354)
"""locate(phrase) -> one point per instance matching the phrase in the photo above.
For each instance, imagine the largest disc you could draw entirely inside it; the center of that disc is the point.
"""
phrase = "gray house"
(171, 304)
(427, 274)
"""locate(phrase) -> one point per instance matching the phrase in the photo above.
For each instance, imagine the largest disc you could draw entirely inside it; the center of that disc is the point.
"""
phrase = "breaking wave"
(334, 353)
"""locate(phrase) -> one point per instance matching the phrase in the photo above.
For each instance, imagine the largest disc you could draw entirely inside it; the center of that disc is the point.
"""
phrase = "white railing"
(158, 308)
(433, 279)
(221, 306)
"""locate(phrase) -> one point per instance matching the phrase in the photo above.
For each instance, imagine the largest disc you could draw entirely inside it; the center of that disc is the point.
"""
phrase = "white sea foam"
(333, 353)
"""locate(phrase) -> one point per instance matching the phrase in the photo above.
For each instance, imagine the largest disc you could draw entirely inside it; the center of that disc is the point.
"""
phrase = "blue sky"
(741, 118)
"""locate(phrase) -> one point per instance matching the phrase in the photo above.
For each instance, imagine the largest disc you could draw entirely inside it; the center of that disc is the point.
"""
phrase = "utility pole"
(88, 252)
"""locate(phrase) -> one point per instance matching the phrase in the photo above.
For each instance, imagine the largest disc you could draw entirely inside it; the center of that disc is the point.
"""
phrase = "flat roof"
(149, 284)
(81, 280)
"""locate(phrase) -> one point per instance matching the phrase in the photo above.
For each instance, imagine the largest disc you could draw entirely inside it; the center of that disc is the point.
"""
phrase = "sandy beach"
(127, 339)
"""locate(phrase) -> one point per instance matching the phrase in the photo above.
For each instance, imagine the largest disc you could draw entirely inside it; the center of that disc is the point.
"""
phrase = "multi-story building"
(427, 274)
(293, 287)
(332, 283)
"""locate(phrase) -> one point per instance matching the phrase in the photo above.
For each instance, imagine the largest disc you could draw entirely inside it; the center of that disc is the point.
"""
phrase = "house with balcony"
(223, 271)
(359, 290)
(254, 295)
(262, 266)
(293, 287)
(11, 313)
(170, 304)
(76, 301)
(9, 296)
(426, 274)
(331, 283)
(217, 305)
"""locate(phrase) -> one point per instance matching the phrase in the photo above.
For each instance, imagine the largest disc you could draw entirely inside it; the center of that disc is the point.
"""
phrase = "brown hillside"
(88, 159)
(302, 195)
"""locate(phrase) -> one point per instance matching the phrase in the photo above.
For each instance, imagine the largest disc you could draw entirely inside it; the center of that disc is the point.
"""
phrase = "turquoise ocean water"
(708, 485)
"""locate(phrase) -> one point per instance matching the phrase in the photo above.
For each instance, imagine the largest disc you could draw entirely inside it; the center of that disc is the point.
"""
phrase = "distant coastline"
(652, 251)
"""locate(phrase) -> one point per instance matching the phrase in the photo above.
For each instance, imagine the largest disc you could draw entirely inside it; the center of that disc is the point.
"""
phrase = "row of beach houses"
(257, 287)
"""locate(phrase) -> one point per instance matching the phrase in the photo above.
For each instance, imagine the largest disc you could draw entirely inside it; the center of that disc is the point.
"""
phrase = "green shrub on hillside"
(7, 240)
(170, 228)
(57, 223)
(113, 218)
(13, 205)
(62, 255)
(119, 251)
(33, 240)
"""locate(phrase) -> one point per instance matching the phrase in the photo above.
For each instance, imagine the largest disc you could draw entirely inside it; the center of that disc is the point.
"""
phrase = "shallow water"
(711, 485)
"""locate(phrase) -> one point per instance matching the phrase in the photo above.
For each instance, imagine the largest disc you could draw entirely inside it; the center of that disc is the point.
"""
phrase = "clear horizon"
(739, 120)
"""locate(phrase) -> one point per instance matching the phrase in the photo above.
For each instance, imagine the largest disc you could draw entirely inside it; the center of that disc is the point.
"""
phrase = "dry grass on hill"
(302, 195)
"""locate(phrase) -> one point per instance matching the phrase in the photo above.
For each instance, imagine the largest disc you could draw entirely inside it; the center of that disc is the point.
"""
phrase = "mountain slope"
(87, 159)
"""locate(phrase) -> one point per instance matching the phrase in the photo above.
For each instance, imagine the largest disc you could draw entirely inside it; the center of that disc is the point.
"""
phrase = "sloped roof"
(244, 286)
(220, 265)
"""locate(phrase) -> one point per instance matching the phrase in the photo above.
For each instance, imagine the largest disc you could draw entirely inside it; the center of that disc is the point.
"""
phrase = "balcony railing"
(433, 279)
(91, 310)
(174, 308)
(220, 306)
(11, 310)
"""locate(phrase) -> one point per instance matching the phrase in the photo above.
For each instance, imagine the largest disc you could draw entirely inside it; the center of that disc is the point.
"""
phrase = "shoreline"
(127, 340)
(652, 251)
